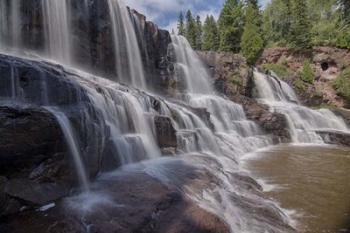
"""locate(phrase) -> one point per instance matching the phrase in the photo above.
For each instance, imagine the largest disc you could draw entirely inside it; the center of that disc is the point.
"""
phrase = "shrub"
(343, 40)
(307, 74)
(342, 84)
(280, 69)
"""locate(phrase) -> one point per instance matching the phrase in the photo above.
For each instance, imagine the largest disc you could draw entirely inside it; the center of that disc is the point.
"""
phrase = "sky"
(165, 12)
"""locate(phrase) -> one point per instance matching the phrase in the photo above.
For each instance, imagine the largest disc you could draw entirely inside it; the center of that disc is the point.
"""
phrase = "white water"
(73, 146)
(303, 121)
(124, 117)
(126, 46)
(57, 30)
(231, 136)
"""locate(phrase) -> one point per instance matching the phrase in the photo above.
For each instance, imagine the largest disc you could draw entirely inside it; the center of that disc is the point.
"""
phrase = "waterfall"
(223, 140)
(57, 30)
(128, 57)
(10, 24)
(302, 121)
(73, 146)
(114, 125)
(190, 67)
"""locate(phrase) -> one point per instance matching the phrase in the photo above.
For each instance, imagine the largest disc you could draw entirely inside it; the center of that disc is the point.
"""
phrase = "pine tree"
(252, 39)
(231, 22)
(210, 35)
(300, 28)
(181, 25)
(191, 31)
(345, 9)
(199, 33)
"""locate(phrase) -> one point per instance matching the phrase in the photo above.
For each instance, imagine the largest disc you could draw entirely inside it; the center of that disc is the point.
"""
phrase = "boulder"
(335, 137)
(165, 131)
(28, 136)
(37, 194)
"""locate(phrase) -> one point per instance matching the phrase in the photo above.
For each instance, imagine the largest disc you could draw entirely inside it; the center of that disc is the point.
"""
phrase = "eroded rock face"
(127, 202)
(28, 137)
(166, 132)
(327, 64)
(230, 72)
(335, 137)
(92, 40)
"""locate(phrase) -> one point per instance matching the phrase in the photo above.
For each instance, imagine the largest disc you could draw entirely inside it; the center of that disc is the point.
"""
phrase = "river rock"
(35, 193)
(335, 137)
(165, 131)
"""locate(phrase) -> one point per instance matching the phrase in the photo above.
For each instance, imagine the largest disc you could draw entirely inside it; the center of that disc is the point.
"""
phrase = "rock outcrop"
(335, 137)
(327, 63)
(230, 72)
(234, 78)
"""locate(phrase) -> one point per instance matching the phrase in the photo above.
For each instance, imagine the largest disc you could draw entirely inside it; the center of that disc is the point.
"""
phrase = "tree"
(345, 9)
(276, 22)
(300, 28)
(199, 34)
(210, 34)
(252, 39)
(181, 25)
(191, 31)
(231, 22)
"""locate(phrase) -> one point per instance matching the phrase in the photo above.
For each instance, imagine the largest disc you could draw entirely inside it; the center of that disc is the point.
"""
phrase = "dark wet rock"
(272, 122)
(156, 53)
(335, 137)
(92, 40)
(230, 72)
(344, 113)
(132, 202)
(165, 132)
(35, 193)
(28, 136)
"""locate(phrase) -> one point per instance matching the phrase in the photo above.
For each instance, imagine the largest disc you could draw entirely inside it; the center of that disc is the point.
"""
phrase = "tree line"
(243, 27)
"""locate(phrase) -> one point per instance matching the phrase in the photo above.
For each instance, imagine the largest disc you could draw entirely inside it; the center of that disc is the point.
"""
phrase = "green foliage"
(344, 6)
(231, 22)
(343, 40)
(300, 25)
(181, 25)
(307, 74)
(252, 39)
(191, 29)
(342, 84)
(199, 34)
(280, 69)
(210, 35)
(300, 85)
(277, 21)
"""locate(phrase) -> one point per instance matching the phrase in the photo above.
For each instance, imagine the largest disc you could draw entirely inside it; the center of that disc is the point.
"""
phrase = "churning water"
(303, 121)
(115, 124)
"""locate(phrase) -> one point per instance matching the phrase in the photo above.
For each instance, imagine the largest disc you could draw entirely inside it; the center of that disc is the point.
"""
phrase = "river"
(312, 181)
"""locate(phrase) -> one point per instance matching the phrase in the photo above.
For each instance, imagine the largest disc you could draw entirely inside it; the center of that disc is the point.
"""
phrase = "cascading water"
(114, 124)
(57, 30)
(129, 65)
(72, 145)
(303, 121)
(228, 136)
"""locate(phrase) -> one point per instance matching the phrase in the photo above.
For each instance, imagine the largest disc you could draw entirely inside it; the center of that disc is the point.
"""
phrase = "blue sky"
(165, 12)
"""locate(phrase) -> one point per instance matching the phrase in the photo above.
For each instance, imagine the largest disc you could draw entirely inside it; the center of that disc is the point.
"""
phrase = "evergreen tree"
(210, 35)
(191, 32)
(231, 22)
(345, 9)
(199, 33)
(252, 39)
(300, 28)
(277, 21)
(181, 25)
